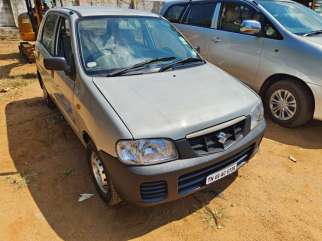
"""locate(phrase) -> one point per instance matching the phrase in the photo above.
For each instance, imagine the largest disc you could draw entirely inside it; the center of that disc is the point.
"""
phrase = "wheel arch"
(278, 77)
(87, 139)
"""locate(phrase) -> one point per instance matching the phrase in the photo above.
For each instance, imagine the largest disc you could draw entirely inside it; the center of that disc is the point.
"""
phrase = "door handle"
(216, 40)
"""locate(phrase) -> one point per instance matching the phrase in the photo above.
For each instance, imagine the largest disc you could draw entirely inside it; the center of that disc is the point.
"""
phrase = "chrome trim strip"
(215, 128)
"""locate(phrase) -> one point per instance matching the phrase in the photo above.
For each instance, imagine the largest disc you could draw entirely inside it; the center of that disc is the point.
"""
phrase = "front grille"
(152, 192)
(219, 140)
(197, 179)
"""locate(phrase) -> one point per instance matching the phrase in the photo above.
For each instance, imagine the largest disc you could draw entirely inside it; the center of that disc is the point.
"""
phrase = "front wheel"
(289, 103)
(102, 179)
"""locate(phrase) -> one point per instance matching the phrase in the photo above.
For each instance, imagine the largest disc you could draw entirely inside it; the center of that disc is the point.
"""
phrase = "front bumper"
(165, 182)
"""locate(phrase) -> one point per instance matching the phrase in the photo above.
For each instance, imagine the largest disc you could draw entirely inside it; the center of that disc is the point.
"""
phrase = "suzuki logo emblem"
(222, 137)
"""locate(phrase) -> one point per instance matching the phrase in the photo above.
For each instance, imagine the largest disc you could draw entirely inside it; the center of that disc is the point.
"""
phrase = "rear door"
(196, 24)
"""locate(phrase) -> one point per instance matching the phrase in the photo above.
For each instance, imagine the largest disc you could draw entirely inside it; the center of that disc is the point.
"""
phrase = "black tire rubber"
(304, 101)
(49, 102)
(111, 198)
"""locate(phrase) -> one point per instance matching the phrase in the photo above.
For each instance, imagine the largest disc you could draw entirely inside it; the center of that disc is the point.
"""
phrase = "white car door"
(64, 82)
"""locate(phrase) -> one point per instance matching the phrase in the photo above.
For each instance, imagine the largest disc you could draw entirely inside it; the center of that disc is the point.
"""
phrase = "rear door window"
(200, 14)
(175, 12)
(48, 34)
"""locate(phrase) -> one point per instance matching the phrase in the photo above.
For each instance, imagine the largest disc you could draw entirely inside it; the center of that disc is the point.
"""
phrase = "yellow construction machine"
(28, 24)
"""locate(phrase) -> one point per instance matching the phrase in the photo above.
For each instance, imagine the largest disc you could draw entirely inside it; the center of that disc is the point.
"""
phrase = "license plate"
(221, 174)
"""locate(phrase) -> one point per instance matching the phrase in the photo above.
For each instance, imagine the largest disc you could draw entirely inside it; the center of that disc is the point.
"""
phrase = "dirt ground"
(43, 170)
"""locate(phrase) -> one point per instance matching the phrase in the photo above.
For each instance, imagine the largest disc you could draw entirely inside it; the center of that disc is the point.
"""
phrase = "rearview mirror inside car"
(252, 27)
(56, 63)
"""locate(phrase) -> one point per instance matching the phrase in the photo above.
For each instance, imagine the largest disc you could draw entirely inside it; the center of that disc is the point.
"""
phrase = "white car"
(158, 121)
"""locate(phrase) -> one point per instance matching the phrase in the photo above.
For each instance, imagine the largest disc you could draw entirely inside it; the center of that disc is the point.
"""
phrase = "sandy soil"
(43, 170)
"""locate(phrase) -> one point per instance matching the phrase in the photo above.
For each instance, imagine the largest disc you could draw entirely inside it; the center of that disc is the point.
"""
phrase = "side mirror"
(252, 27)
(56, 63)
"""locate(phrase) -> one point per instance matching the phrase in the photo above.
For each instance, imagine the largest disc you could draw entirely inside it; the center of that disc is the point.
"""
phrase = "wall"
(6, 18)
(17, 7)
(10, 9)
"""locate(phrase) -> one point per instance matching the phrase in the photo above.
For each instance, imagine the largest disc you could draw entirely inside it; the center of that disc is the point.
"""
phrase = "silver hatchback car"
(158, 121)
(274, 46)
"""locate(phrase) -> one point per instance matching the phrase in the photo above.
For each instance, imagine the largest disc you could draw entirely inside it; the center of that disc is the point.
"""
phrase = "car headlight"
(146, 151)
(257, 115)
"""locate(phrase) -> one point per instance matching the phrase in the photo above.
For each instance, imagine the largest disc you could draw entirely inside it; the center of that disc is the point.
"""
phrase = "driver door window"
(64, 46)
(48, 34)
(233, 14)
(64, 80)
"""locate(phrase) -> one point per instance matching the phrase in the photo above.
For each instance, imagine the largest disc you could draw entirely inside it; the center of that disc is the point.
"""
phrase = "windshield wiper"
(182, 61)
(313, 33)
(138, 65)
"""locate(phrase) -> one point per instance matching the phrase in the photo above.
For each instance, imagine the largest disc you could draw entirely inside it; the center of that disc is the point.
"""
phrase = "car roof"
(87, 11)
(171, 2)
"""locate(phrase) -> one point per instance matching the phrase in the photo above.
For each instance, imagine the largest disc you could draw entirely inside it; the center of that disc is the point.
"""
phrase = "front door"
(46, 49)
(64, 81)
(231, 50)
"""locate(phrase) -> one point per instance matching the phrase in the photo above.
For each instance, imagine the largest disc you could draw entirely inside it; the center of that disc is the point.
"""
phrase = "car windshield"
(110, 43)
(295, 17)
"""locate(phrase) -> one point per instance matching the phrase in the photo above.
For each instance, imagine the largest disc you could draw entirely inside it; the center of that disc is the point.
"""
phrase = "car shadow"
(307, 136)
(14, 55)
(48, 154)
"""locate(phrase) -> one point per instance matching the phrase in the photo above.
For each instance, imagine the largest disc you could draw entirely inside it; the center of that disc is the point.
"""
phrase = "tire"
(49, 102)
(105, 188)
(289, 103)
